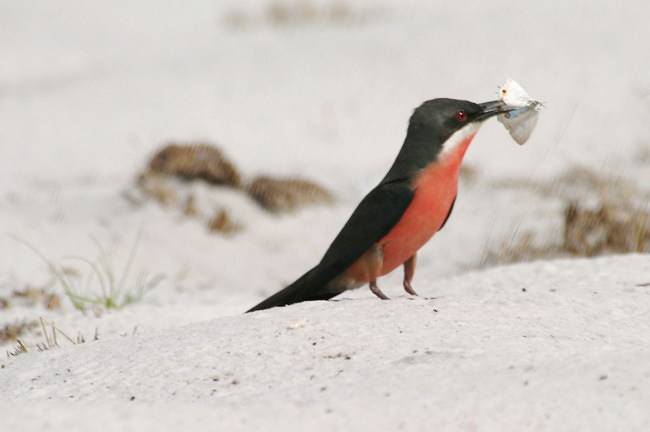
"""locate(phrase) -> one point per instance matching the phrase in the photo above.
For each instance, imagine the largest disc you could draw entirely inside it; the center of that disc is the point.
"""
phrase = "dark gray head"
(431, 126)
(436, 120)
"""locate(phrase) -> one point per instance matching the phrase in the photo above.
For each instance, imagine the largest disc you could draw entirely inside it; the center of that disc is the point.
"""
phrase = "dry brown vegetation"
(176, 166)
(193, 161)
(26, 297)
(48, 330)
(610, 229)
(156, 186)
(287, 194)
(11, 331)
(30, 296)
(223, 223)
(287, 13)
(602, 215)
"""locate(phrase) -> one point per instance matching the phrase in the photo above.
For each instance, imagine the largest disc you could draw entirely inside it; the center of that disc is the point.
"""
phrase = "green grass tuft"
(102, 285)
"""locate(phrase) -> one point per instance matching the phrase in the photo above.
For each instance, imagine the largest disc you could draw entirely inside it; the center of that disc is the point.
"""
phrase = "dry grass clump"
(51, 334)
(289, 13)
(52, 301)
(191, 178)
(156, 186)
(195, 161)
(20, 349)
(281, 195)
(187, 162)
(31, 296)
(609, 230)
(223, 223)
(26, 297)
(11, 331)
(297, 12)
(602, 215)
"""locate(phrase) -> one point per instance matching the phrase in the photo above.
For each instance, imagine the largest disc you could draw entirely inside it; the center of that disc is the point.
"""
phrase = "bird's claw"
(409, 289)
(376, 291)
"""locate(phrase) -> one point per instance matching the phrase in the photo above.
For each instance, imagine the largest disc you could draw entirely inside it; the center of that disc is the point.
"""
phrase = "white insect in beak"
(522, 121)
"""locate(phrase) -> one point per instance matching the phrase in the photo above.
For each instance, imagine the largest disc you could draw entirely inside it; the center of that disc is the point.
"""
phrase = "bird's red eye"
(461, 115)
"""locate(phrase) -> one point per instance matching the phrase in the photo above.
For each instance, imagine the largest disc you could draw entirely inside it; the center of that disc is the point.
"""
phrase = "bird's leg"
(376, 291)
(409, 271)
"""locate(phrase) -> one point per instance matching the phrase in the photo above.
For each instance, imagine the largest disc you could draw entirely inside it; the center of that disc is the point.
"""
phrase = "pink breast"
(436, 188)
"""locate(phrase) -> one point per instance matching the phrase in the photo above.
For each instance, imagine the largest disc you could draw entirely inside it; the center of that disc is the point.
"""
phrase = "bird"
(403, 212)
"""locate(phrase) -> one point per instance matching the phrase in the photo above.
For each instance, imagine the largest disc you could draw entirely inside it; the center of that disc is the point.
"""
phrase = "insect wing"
(520, 123)
(513, 94)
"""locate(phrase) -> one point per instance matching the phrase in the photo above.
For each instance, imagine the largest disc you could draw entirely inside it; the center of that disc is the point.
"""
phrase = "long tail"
(309, 287)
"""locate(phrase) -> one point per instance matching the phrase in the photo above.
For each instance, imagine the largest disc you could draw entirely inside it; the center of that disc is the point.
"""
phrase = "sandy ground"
(542, 346)
(88, 92)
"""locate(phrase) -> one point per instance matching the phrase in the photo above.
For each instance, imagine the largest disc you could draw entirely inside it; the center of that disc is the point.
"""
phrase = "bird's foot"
(376, 291)
(409, 271)
(409, 289)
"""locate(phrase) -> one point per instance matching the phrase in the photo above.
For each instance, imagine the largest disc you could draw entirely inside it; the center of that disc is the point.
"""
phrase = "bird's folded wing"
(373, 218)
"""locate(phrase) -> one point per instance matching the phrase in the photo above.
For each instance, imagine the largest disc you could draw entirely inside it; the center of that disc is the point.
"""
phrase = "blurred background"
(300, 107)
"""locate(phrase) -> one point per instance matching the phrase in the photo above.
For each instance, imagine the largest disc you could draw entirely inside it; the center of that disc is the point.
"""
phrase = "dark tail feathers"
(307, 288)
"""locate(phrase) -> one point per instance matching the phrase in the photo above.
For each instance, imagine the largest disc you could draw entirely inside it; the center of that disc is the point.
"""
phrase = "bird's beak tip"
(492, 108)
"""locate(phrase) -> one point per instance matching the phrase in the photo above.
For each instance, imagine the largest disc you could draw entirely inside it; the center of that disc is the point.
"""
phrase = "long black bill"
(493, 108)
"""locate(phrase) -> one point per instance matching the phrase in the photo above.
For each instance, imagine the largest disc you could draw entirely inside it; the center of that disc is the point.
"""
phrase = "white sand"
(568, 353)
(88, 92)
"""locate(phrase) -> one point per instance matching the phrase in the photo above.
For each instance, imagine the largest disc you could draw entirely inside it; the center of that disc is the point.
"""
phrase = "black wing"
(373, 218)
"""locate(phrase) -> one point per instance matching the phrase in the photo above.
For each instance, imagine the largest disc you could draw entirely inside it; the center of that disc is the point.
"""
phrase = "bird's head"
(436, 128)
(446, 122)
